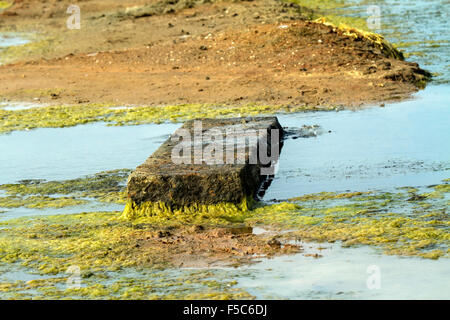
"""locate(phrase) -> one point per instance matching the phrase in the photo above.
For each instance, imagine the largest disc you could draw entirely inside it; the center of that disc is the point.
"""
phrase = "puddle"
(20, 274)
(259, 230)
(12, 213)
(13, 106)
(399, 145)
(343, 273)
(59, 154)
(12, 39)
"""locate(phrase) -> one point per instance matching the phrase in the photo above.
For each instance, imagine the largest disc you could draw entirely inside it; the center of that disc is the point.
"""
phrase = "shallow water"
(376, 148)
(343, 273)
(12, 213)
(14, 106)
(58, 154)
(403, 144)
(12, 39)
(419, 28)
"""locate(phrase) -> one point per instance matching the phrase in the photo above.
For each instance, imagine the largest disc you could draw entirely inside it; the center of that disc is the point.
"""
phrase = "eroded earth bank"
(219, 52)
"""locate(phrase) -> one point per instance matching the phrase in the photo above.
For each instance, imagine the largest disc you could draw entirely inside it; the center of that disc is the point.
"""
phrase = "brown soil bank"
(176, 51)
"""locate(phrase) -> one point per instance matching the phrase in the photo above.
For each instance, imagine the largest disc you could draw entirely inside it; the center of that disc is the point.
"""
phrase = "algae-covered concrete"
(207, 164)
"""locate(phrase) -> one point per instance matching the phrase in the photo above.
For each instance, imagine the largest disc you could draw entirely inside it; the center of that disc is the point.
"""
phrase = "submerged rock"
(211, 165)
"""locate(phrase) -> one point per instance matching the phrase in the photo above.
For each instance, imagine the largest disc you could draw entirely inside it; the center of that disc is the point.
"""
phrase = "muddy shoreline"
(215, 52)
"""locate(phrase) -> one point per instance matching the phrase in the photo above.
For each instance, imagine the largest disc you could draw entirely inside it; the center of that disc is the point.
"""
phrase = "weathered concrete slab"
(209, 163)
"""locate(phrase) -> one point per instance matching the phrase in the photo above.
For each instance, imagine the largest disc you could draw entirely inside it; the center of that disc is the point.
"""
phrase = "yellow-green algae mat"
(104, 186)
(5, 4)
(407, 222)
(72, 115)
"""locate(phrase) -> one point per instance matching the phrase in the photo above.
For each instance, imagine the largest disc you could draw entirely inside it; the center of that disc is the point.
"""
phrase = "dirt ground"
(202, 247)
(178, 51)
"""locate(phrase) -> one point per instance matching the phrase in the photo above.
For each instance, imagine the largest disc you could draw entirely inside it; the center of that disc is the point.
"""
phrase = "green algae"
(38, 47)
(327, 195)
(93, 241)
(426, 43)
(214, 214)
(5, 4)
(442, 188)
(96, 185)
(389, 221)
(414, 53)
(40, 202)
(67, 116)
(71, 115)
(328, 13)
(105, 245)
(354, 22)
(393, 221)
(355, 223)
(318, 217)
(322, 5)
(153, 285)
(329, 10)
(106, 186)
(387, 48)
